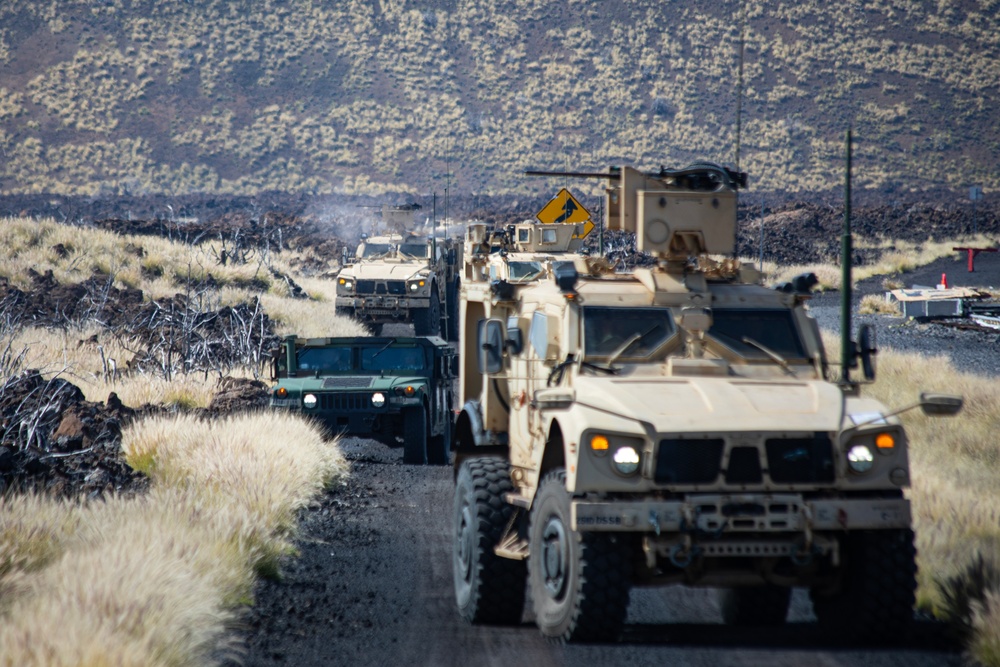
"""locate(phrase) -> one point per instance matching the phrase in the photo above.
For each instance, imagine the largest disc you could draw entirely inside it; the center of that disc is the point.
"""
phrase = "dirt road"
(372, 586)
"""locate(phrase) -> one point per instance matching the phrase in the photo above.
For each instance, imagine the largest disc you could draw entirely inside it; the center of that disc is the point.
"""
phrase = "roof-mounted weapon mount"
(675, 213)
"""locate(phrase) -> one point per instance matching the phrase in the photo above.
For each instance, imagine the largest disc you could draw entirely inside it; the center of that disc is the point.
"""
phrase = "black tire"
(427, 321)
(451, 326)
(876, 597)
(579, 581)
(415, 435)
(439, 446)
(755, 606)
(488, 588)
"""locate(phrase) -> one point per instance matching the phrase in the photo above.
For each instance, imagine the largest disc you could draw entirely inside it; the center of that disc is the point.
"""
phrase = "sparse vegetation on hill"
(145, 96)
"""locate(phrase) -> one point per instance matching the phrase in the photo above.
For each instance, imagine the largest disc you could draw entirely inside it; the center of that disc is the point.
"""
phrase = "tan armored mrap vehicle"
(403, 276)
(675, 425)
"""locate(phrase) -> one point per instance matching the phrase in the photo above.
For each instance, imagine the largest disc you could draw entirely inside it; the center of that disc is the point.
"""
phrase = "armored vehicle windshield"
(634, 333)
(393, 359)
(524, 270)
(745, 331)
(417, 250)
(376, 249)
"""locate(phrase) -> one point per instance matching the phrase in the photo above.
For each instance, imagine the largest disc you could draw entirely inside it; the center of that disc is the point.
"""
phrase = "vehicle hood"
(688, 404)
(384, 270)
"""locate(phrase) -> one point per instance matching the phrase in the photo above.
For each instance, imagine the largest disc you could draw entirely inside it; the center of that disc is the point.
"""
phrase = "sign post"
(975, 194)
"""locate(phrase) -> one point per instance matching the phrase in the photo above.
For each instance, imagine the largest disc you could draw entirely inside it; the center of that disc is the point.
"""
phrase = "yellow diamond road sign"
(565, 208)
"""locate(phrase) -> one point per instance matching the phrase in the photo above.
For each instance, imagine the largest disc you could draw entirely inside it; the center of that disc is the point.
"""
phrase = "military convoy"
(401, 276)
(395, 390)
(680, 424)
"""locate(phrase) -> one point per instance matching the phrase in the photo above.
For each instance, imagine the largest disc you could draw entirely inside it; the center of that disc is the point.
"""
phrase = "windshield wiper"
(775, 357)
(598, 367)
(384, 348)
(629, 342)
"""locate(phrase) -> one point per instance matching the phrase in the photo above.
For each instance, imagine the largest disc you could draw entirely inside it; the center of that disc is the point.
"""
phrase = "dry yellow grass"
(162, 272)
(159, 266)
(155, 580)
(877, 303)
(100, 367)
(898, 257)
(269, 463)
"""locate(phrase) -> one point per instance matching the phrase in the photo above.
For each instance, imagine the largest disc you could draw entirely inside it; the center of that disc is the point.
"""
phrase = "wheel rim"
(464, 543)
(555, 558)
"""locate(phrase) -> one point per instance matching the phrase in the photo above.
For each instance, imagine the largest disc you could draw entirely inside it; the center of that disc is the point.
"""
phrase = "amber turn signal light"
(599, 443)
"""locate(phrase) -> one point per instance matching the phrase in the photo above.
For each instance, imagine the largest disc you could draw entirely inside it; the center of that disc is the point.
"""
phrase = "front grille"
(345, 402)
(800, 460)
(744, 466)
(689, 461)
(396, 287)
(351, 382)
(806, 460)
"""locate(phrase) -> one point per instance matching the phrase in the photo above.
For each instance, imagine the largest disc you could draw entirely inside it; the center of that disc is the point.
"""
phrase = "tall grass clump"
(268, 465)
(157, 579)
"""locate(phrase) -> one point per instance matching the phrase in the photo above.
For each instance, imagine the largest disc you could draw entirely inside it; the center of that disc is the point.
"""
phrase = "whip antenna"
(739, 85)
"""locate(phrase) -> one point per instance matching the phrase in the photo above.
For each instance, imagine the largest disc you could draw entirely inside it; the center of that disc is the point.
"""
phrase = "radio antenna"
(739, 85)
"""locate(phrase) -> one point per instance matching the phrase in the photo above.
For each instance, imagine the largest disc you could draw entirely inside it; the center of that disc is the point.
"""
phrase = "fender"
(470, 425)
(470, 440)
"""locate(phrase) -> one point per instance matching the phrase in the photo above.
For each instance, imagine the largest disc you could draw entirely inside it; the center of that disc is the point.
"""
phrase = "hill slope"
(360, 97)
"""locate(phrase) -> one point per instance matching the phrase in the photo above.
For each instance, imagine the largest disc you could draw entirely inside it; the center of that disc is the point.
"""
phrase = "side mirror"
(941, 405)
(490, 341)
(566, 276)
(453, 365)
(867, 350)
(515, 339)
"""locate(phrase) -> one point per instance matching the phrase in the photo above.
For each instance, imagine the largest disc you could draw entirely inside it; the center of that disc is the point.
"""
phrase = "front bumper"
(349, 418)
(382, 305)
(753, 513)
(766, 529)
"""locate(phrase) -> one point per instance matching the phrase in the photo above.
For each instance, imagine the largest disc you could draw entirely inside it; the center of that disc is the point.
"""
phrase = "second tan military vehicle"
(403, 276)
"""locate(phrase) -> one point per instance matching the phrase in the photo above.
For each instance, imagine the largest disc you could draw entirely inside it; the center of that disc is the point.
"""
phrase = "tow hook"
(804, 554)
(681, 555)
(654, 521)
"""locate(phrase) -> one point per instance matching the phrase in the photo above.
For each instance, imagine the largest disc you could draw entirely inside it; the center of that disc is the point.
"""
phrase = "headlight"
(417, 284)
(860, 458)
(309, 400)
(626, 460)
(281, 392)
(378, 399)
(345, 283)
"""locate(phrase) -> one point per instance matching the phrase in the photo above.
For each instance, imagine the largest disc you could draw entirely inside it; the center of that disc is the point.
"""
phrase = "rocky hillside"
(367, 96)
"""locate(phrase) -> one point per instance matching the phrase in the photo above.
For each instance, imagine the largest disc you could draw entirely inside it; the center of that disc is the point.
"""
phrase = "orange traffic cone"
(944, 282)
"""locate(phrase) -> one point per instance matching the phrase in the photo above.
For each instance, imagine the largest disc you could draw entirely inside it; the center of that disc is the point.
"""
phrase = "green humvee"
(389, 389)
